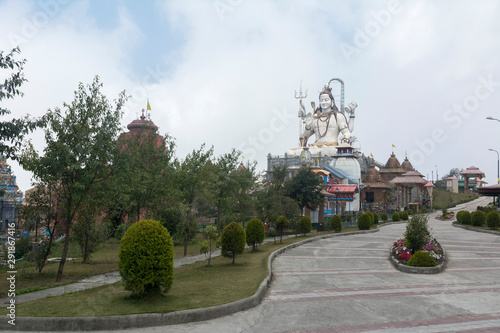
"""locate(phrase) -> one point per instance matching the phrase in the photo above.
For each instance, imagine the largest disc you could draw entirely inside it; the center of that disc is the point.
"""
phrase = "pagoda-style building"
(375, 191)
(392, 169)
(10, 197)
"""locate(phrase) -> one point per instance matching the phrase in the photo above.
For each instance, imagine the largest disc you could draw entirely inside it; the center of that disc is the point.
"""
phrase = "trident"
(300, 98)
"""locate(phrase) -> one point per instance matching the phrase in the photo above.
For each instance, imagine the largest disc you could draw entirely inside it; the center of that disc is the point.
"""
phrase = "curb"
(121, 322)
(457, 225)
(419, 270)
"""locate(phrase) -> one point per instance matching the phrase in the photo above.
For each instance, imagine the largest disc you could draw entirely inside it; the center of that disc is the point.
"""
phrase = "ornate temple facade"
(12, 196)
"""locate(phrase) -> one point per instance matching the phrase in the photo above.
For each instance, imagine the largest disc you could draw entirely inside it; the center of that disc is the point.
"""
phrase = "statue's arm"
(343, 126)
(350, 109)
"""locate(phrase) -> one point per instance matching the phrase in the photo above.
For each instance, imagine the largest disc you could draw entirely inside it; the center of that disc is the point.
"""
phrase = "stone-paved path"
(347, 284)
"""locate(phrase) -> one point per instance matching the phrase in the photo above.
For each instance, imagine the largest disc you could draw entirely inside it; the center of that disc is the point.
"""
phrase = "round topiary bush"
(478, 218)
(364, 221)
(395, 217)
(255, 232)
(384, 217)
(232, 240)
(459, 216)
(375, 218)
(305, 225)
(371, 217)
(404, 215)
(466, 217)
(421, 259)
(493, 220)
(336, 223)
(146, 258)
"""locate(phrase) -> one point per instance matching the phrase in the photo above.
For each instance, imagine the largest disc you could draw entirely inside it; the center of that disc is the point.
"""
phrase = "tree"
(211, 243)
(80, 144)
(13, 132)
(305, 189)
(232, 240)
(255, 232)
(454, 172)
(281, 224)
(245, 201)
(142, 179)
(192, 179)
(41, 210)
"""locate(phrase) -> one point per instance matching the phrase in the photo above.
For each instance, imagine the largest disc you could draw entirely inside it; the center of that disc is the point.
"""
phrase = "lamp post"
(498, 165)
(437, 177)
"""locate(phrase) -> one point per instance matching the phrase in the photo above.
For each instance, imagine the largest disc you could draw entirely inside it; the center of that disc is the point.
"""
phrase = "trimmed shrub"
(336, 223)
(364, 221)
(421, 259)
(371, 217)
(416, 232)
(305, 225)
(404, 215)
(255, 232)
(493, 220)
(395, 217)
(146, 258)
(232, 240)
(384, 217)
(459, 216)
(466, 217)
(478, 218)
(375, 218)
(281, 224)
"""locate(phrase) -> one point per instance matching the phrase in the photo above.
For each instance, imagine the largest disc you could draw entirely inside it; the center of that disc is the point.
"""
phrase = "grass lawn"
(479, 228)
(105, 260)
(442, 198)
(195, 286)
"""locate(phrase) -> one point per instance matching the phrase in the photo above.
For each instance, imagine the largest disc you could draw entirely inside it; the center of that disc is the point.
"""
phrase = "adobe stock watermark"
(36, 22)
(454, 117)
(277, 124)
(222, 7)
(363, 37)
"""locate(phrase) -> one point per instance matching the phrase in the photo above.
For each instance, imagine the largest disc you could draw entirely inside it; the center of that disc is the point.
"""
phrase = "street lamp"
(437, 177)
(337, 201)
(491, 118)
(498, 165)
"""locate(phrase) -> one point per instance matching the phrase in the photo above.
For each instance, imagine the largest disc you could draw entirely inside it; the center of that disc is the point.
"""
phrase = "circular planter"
(418, 270)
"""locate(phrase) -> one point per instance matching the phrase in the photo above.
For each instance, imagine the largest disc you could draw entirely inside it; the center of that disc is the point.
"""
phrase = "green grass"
(442, 198)
(195, 286)
(105, 260)
(479, 228)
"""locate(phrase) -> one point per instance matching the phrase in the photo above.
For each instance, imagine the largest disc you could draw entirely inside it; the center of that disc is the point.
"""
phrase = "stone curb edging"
(121, 322)
(457, 225)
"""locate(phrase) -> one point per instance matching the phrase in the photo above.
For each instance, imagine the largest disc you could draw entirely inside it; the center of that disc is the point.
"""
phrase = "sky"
(425, 74)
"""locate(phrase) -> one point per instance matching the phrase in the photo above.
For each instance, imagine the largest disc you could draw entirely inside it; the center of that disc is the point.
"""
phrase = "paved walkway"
(347, 284)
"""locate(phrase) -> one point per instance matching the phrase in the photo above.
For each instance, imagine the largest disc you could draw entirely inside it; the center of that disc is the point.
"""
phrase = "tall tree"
(305, 189)
(80, 144)
(192, 178)
(13, 132)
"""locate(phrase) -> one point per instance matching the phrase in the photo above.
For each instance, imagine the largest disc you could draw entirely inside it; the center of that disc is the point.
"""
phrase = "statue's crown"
(326, 90)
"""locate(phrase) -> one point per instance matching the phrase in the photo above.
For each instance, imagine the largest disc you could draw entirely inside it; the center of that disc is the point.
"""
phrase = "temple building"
(10, 197)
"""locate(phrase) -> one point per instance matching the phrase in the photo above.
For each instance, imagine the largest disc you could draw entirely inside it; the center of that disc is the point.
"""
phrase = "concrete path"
(347, 284)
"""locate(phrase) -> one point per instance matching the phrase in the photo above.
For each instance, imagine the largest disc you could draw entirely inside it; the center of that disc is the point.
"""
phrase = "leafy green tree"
(193, 177)
(417, 232)
(281, 224)
(305, 189)
(211, 243)
(232, 240)
(245, 201)
(42, 211)
(80, 144)
(13, 132)
(255, 232)
(147, 258)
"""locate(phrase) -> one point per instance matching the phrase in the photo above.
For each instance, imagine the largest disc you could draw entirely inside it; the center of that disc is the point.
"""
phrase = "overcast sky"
(425, 74)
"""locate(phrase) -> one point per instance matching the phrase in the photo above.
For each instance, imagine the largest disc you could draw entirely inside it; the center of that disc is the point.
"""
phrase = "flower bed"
(402, 253)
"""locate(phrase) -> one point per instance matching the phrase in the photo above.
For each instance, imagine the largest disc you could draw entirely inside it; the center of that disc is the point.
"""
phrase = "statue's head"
(326, 100)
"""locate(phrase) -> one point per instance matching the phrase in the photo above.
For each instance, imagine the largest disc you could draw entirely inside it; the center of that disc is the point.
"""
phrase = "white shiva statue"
(326, 123)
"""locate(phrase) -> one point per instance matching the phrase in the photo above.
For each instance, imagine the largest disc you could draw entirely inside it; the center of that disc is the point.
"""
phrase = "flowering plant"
(400, 251)
(403, 253)
(432, 246)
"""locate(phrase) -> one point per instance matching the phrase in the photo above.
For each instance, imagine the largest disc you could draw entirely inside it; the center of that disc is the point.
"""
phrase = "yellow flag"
(371, 155)
(393, 146)
(149, 106)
